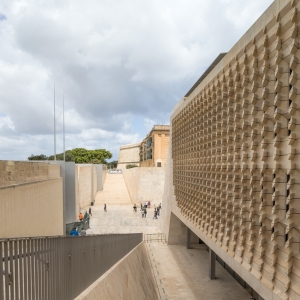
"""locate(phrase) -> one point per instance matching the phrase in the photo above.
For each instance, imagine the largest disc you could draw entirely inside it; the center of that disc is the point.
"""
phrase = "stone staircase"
(114, 191)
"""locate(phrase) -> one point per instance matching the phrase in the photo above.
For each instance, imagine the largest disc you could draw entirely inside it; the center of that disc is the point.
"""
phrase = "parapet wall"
(145, 184)
(130, 278)
(16, 172)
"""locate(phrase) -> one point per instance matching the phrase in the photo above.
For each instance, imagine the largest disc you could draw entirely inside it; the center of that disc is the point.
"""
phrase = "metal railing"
(159, 237)
(46, 268)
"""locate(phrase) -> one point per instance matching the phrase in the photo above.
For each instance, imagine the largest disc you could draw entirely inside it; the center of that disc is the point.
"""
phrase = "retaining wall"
(145, 184)
(130, 278)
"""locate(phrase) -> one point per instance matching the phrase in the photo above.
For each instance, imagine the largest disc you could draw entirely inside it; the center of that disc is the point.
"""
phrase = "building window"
(159, 164)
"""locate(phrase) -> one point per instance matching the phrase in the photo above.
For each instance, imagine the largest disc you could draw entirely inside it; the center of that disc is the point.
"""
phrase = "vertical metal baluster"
(29, 267)
(1, 271)
(47, 279)
(33, 278)
(36, 267)
(50, 271)
(44, 268)
(69, 268)
(6, 277)
(11, 269)
(16, 268)
(57, 267)
(24, 250)
(39, 267)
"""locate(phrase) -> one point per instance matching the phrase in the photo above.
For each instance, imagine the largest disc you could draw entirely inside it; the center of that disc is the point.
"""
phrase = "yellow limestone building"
(233, 173)
(154, 148)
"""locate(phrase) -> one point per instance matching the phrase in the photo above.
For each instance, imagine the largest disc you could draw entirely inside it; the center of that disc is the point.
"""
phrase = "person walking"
(105, 207)
(80, 216)
(158, 210)
(90, 211)
(145, 212)
(155, 214)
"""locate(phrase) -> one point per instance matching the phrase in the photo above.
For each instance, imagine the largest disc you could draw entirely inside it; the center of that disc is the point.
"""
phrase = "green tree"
(113, 164)
(38, 157)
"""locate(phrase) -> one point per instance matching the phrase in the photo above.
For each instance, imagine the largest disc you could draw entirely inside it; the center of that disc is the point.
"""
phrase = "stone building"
(154, 148)
(129, 154)
(233, 173)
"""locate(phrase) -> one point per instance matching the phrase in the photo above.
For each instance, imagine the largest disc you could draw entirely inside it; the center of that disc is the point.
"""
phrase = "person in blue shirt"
(74, 232)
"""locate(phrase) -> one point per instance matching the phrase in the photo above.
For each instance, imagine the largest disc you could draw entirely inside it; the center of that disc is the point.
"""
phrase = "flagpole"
(54, 127)
(64, 142)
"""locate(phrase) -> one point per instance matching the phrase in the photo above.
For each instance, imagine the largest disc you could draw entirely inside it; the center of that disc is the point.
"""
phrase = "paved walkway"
(180, 273)
(114, 192)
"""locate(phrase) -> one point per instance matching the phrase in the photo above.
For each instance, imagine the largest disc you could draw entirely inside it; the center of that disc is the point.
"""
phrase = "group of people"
(144, 209)
(74, 231)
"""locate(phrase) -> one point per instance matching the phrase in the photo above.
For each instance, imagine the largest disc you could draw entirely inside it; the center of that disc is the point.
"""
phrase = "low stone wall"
(131, 278)
(32, 209)
(145, 184)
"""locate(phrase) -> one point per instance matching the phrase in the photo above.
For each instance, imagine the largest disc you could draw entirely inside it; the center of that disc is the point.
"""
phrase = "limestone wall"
(104, 172)
(32, 209)
(145, 184)
(131, 278)
(15, 172)
(129, 154)
(235, 144)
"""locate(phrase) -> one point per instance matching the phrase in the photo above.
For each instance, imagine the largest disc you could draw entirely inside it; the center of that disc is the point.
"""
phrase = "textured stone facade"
(129, 154)
(236, 155)
(16, 172)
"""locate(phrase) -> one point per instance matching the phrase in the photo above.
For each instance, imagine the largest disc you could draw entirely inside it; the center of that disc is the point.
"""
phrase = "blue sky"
(122, 65)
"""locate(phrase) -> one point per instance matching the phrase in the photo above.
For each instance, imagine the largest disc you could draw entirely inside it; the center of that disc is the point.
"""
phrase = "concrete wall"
(145, 184)
(89, 180)
(83, 185)
(32, 209)
(131, 278)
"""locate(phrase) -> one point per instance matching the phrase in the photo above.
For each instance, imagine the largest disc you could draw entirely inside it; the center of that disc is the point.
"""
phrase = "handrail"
(58, 267)
(161, 237)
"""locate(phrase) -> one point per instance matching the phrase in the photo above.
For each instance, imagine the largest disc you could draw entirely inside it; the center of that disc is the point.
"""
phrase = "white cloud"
(116, 61)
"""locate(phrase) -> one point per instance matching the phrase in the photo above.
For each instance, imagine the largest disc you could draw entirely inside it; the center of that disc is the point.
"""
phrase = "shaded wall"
(145, 184)
(130, 278)
(32, 209)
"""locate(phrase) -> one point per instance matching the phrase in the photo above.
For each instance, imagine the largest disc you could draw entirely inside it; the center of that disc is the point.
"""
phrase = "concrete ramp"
(131, 278)
(114, 191)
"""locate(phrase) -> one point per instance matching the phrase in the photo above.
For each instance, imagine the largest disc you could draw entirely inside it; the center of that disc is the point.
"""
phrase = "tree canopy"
(79, 155)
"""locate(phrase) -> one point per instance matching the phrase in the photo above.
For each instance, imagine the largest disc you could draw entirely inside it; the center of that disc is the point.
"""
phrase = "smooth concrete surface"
(180, 273)
(145, 184)
(84, 184)
(32, 209)
(131, 278)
